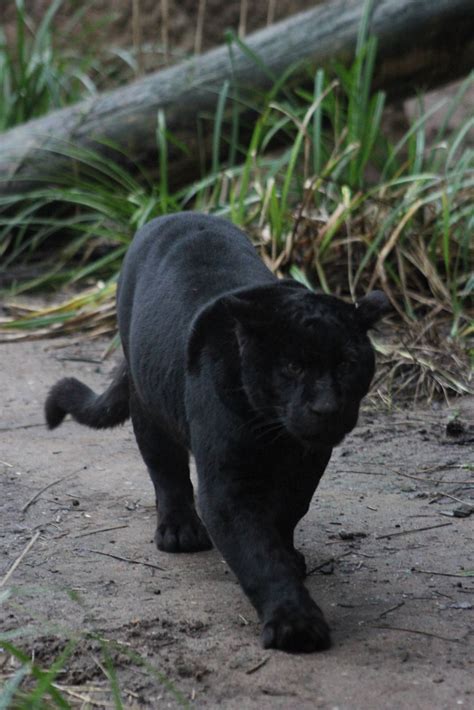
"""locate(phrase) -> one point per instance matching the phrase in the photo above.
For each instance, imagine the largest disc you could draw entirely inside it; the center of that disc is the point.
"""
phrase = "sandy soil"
(399, 602)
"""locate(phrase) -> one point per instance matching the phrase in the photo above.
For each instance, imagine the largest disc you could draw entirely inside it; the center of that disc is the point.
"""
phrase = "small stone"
(463, 511)
(345, 535)
(327, 569)
(455, 428)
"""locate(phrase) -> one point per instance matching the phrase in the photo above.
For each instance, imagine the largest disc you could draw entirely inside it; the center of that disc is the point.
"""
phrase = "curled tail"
(69, 396)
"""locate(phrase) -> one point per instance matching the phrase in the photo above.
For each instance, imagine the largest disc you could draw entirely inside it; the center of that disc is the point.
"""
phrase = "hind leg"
(179, 528)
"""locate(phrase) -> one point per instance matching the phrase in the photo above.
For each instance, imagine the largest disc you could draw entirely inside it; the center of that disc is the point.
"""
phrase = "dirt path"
(403, 636)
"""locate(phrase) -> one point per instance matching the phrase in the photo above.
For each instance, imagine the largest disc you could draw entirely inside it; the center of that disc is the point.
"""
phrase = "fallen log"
(421, 44)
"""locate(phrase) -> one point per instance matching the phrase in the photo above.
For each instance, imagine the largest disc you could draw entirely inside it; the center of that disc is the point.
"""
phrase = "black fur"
(69, 396)
(259, 378)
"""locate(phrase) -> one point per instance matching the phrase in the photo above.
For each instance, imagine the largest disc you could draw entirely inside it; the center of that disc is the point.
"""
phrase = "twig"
(392, 608)
(327, 562)
(80, 696)
(99, 530)
(80, 359)
(441, 574)
(414, 631)
(243, 18)
(50, 485)
(363, 472)
(271, 12)
(126, 559)
(441, 467)
(137, 34)
(86, 688)
(21, 426)
(441, 494)
(199, 27)
(407, 532)
(257, 666)
(431, 480)
(165, 28)
(19, 558)
(131, 693)
(406, 475)
(5, 463)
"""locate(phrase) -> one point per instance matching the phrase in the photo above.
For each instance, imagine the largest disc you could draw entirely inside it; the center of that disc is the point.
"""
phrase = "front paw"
(181, 533)
(296, 629)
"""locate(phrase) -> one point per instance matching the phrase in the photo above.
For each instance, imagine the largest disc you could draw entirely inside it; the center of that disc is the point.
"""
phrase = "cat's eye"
(293, 369)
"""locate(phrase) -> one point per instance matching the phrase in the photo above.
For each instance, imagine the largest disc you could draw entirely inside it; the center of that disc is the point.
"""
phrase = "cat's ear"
(203, 328)
(247, 312)
(372, 308)
(211, 324)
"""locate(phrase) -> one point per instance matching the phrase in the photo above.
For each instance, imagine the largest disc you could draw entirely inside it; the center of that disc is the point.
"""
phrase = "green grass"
(31, 687)
(26, 685)
(35, 75)
(409, 228)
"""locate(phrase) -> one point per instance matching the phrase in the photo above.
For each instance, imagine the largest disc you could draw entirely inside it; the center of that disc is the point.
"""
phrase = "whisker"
(280, 433)
(266, 428)
(256, 418)
(267, 432)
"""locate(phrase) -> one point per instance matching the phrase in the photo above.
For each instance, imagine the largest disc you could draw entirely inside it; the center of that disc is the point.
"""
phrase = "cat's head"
(305, 360)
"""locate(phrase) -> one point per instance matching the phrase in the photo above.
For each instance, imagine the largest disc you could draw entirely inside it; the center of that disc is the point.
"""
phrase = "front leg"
(179, 528)
(299, 561)
(241, 527)
(296, 494)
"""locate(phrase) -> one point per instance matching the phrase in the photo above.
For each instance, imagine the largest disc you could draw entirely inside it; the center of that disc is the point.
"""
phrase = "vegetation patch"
(326, 196)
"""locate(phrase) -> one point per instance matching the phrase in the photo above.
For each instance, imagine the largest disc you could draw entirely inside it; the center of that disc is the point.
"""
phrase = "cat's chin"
(318, 441)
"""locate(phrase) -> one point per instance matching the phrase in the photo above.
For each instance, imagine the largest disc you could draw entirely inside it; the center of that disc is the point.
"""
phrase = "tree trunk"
(421, 44)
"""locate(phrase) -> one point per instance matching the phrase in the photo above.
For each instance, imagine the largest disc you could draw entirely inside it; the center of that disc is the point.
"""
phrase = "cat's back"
(194, 255)
(178, 233)
(175, 266)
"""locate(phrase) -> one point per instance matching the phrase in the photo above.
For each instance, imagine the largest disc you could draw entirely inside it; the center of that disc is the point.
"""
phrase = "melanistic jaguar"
(258, 377)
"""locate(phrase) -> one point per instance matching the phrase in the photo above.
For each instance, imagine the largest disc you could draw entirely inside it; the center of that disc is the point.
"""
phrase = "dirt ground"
(400, 601)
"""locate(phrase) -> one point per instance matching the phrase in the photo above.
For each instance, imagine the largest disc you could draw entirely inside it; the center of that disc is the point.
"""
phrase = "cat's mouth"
(322, 431)
(317, 440)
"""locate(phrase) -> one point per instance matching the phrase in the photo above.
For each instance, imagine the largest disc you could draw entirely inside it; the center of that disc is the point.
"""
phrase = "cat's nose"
(323, 406)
